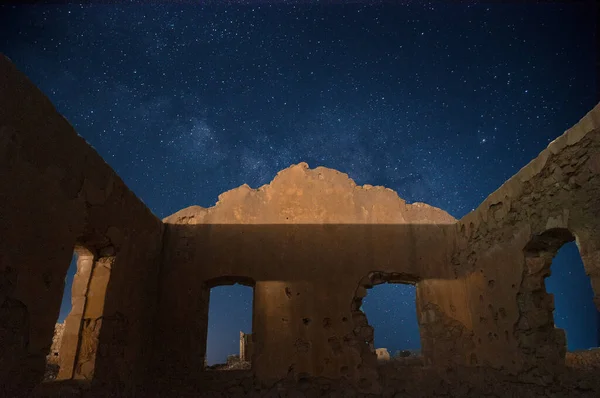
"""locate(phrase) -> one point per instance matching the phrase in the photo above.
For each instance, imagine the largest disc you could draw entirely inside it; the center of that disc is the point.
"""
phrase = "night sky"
(440, 102)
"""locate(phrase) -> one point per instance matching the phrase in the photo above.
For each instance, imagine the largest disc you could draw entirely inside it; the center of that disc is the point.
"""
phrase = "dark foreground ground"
(581, 378)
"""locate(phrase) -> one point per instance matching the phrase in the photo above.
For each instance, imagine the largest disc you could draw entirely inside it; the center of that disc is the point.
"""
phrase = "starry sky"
(441, 102)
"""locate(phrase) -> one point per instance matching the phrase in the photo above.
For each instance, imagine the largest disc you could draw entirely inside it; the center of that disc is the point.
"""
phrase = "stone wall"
(312, 236)
(57, 195)
(309, 237)
(53, 355)
(507, 244)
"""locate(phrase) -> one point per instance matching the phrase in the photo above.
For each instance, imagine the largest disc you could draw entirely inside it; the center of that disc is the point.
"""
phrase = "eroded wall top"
(300, 195)
(306, 241)
(562, 179)
(321, 209)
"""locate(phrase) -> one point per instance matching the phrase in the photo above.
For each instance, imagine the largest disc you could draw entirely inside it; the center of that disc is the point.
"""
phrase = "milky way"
(439, 102)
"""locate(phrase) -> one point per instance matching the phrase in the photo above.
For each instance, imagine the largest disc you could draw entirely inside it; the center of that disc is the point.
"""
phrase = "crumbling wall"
(481, 298)
(307, 238)
(53, 355)
(509, 241)
(56, 194)
(313, 236)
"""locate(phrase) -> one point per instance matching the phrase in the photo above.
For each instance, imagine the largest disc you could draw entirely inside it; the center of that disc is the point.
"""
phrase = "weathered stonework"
(382, 354)
(53, 355)
(310, 243)
(509, 242)
(58, 196)
(246, 347)
(292, 240)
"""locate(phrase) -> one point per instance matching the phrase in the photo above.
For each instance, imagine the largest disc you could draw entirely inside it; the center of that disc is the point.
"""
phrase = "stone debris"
(233, 363)
(382, 354)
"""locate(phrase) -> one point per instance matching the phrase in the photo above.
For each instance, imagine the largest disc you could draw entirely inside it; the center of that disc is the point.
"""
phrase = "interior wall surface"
(508, 242)
(56, 193)
(307, 240)
(309, 236)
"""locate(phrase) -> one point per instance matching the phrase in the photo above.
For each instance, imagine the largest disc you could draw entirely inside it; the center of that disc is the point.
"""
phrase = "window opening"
(230, 342)
(392, 312)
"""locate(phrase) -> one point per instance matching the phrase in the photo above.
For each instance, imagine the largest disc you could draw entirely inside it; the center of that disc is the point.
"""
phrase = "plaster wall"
(508, 243)
(312, 237)
(306, 241)
(56, 194)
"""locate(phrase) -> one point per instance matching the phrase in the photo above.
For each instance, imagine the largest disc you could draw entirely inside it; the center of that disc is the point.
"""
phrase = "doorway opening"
(229, 343)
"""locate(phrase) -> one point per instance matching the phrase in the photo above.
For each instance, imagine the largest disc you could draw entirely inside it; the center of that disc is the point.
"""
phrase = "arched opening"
(574, 308)
(544, 323)
(385, 311)
(229, 341)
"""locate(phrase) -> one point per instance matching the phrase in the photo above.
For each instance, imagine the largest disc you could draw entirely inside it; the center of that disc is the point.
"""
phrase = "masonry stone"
(311, 243)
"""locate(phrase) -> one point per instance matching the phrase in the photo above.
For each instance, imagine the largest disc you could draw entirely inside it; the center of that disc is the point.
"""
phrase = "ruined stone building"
(310, 243)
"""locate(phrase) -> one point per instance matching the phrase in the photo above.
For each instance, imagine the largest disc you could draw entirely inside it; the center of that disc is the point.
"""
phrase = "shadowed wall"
(57, 193)
(307, 240)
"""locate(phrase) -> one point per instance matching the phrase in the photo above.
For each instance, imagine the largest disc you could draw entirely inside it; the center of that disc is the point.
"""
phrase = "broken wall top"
(63, 158)
(557, 189)
(300, 195)
(310, 219)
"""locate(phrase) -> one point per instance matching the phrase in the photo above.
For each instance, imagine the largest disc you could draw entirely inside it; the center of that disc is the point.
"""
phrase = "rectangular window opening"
(230, 342)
